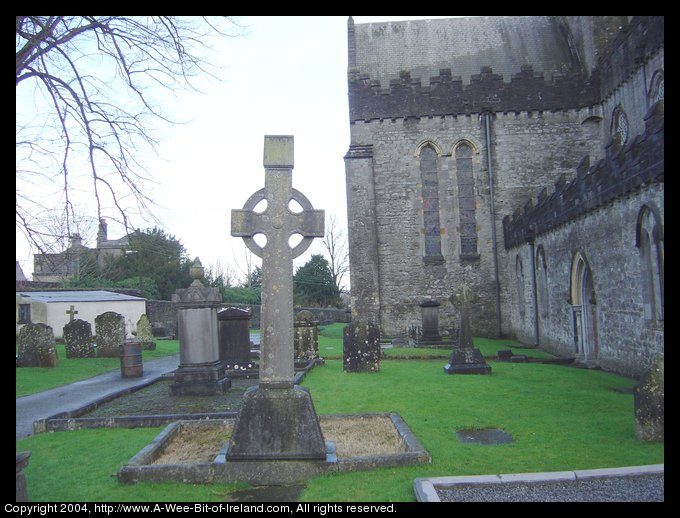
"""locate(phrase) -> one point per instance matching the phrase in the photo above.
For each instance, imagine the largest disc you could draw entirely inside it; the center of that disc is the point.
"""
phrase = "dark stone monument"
(78, 338)
(110, 330)
(429, 310)
(36, 346)
(277, 420)
(306, 336)
(22, 462)
(465, 358)
(361, 347)
(200, 372)
(233, 329)
(648, 397)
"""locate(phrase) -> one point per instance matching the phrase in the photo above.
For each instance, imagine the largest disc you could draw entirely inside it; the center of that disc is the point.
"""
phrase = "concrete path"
(76, 395)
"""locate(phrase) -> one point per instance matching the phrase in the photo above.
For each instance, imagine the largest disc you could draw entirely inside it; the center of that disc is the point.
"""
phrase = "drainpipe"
(534, 295)
(492, 212)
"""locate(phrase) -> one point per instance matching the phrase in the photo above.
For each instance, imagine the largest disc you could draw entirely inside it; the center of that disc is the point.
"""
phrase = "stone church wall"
(626, 340)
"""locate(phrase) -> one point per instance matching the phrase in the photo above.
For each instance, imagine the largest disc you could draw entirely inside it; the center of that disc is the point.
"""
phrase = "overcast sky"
(285, 76)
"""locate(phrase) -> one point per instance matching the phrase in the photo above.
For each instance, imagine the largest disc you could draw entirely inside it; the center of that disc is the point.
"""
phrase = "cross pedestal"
(277, 420)
(465, 358)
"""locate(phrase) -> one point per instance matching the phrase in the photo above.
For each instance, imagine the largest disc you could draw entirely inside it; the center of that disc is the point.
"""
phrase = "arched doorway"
(584, 310)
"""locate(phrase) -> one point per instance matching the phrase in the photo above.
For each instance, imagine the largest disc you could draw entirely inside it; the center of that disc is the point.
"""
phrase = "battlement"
(447, 95)
(623, 170)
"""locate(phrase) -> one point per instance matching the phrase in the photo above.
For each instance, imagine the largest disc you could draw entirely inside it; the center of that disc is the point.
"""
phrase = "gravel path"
(645, 488)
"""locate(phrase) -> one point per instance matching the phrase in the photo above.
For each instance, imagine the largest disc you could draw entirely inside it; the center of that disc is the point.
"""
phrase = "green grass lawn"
(30, 380)
(560, 418)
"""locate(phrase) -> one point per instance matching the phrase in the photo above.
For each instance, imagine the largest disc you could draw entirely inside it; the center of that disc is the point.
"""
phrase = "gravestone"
(234, 339)
(78, 338)
(306, 337)
(649, 406)
(361, 347)
(465, 358)
(429, 310)
(71, 313)
(145, 333)
(200, 372)
(277, 420)
(110, 330)
(21, 463)
(36, 346)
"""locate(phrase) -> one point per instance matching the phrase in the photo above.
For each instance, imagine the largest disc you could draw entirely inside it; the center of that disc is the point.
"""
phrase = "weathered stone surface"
(649, 405)
(429, 310)
(110, 330)
(200, 372)
(277, 423)
(145, 333)
(361, 347)
(36, 346)
(467, 360)
(22, 462)
(234, 338)
(306, 336)
(78, 337)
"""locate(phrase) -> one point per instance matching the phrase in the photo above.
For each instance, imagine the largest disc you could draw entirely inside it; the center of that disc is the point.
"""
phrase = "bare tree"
(335, 244)
(87, 83)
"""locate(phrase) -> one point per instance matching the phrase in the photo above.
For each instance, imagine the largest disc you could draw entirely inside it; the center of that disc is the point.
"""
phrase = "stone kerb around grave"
(36, 346)
(110, 330)
(78, 338)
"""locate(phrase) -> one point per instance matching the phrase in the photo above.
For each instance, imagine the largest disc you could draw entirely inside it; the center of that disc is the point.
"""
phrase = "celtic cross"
(277, 223)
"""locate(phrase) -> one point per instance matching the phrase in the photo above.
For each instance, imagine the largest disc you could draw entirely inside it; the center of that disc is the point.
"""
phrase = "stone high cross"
(71, 312)
(278, 223)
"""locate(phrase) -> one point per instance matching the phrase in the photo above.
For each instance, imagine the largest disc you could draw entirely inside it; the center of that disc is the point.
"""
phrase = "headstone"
(145, 334)
(505, 354)
(361, 347)
(429, 310)
(36, 346)
(306, 336)
(71, 313)
(233, 329)
(277, 419)
(465, 358)
(648, 400)
(200, 372)
(78, 338)
(110, 330)
(22, 462)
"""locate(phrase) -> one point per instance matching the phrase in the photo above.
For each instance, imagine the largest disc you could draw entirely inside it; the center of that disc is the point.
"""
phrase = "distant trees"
(86, 108)
(313, 284)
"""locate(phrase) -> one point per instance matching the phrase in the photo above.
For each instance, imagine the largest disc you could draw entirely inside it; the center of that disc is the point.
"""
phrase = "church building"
(523, 158)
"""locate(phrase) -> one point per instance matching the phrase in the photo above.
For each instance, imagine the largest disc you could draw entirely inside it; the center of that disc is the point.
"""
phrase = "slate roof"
(464, 45)
(78, 296)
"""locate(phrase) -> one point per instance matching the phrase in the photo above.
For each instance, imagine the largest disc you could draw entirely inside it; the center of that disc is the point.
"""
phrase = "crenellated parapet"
(447, 95)
(623, 170)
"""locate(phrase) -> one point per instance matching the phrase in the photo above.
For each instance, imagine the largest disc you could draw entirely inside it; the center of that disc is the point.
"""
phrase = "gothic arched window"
(542, 282)
(656, 91)
(466, 201)
(650, 242)
(519, 269)
(429, 176)
(620, 128)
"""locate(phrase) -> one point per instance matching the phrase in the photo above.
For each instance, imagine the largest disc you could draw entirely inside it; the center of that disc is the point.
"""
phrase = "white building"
(56, 308)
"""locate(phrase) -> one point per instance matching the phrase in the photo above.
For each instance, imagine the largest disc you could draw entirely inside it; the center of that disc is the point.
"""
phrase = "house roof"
(78, 296)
